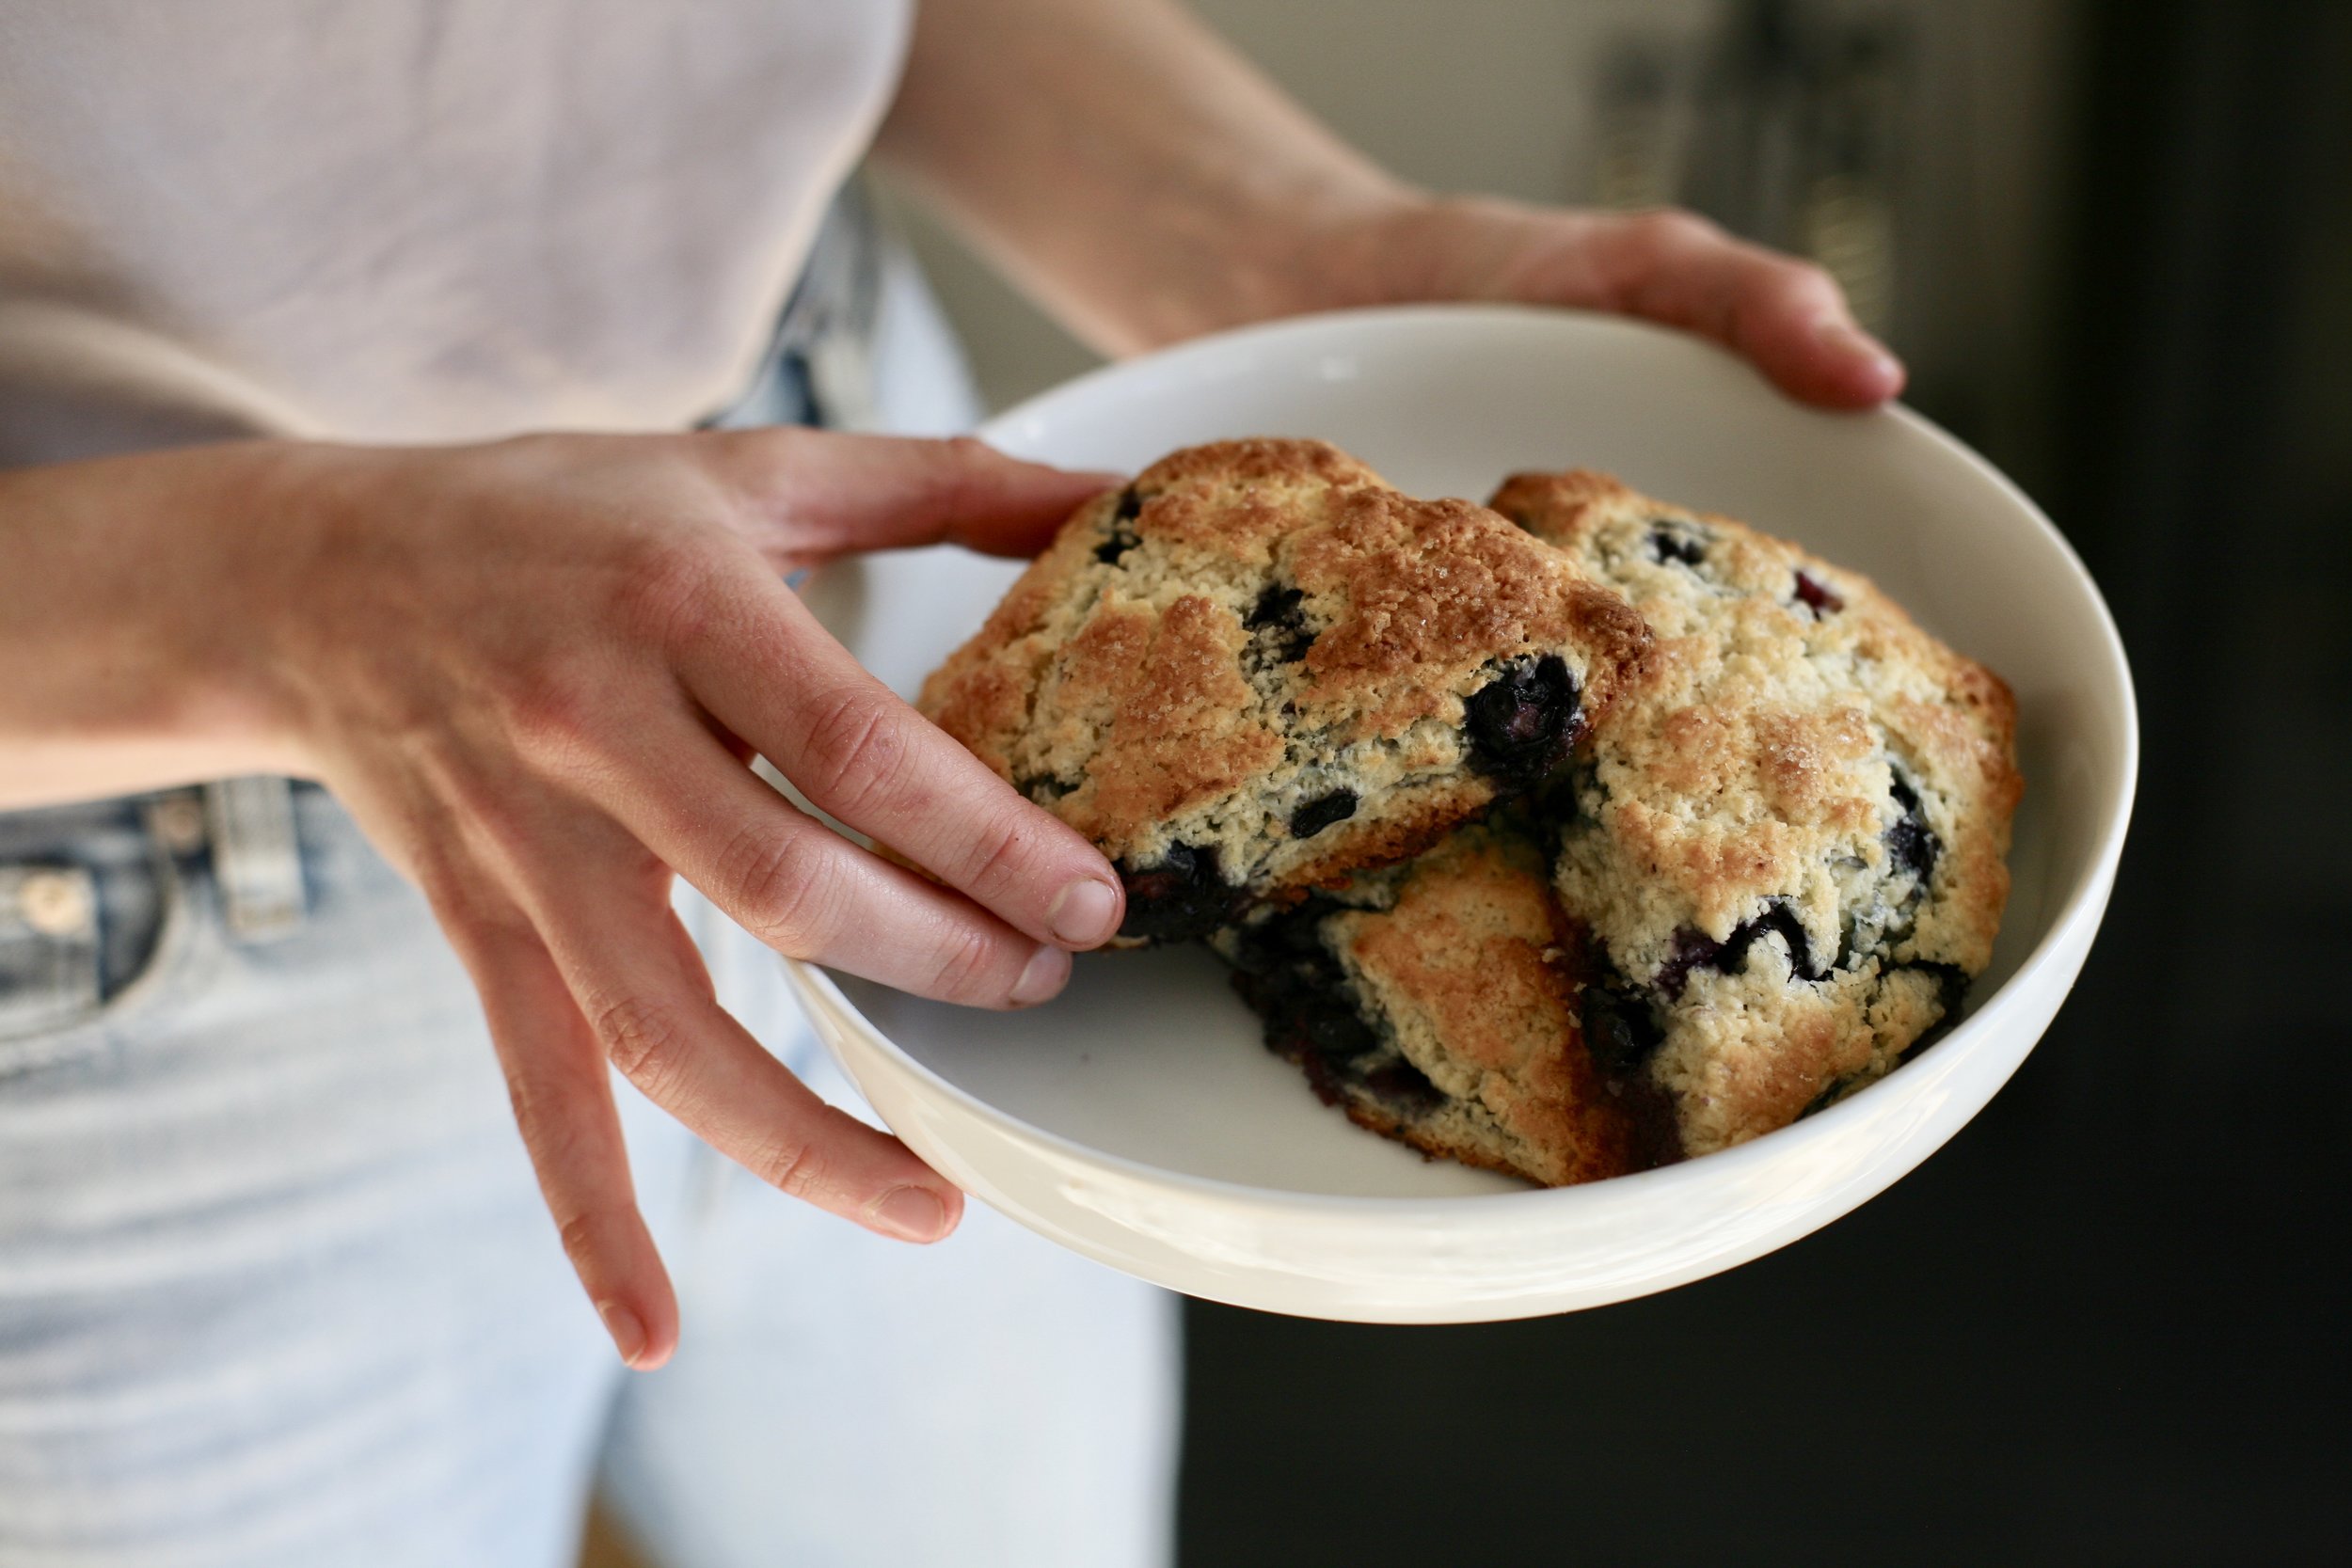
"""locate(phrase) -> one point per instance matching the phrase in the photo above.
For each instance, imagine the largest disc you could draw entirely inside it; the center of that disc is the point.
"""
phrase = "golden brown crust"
(1261, 657)
(1466, 974)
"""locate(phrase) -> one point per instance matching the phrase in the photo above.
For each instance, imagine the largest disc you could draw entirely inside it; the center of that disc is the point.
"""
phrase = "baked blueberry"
(1524, 723)
(1911, 843)
(1620, 1028)
(1280, 624)
(1182, 895)
(1318, 814)
(1672, 538)
(1120, 529)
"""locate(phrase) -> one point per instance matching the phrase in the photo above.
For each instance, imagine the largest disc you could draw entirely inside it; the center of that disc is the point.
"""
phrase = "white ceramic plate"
(1138, 1118)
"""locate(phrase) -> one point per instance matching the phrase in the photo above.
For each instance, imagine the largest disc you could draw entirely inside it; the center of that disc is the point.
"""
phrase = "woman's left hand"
(1787, 315)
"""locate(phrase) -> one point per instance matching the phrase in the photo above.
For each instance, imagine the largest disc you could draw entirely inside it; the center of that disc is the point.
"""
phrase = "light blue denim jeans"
(277, 1288)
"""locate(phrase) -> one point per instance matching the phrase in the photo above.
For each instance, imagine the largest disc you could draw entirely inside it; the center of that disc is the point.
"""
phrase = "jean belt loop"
(257, 860)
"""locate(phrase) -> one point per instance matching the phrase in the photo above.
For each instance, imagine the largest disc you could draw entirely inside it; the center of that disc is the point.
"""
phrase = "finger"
(767, 670)
(636, 978)
(1787, 316)
(557, 1079)
(810, 893)
(832, 492)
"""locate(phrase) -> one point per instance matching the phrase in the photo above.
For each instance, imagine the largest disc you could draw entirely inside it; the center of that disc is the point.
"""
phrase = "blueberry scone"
(1438, 1003)
(1788, 841)
(1258, 668)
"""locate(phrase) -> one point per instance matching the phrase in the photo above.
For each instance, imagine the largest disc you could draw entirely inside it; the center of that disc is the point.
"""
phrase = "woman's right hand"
(535, 671)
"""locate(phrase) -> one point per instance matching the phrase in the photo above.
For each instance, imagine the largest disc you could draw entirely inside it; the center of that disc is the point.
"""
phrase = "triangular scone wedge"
(1259, 668)
(1788, 842)
(1445, 1013)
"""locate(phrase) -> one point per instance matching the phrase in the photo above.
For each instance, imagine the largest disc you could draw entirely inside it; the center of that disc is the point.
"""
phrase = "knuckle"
(553, 712)
(664, 595)
(794, 1166)
(965, 969)
(962, 474)
(788, 890)
(523, 1100)
(578, 1235)
(478, 919)
(1803, 279)
(540, 1104)
(644, 1040)
(853, 753)
(1000, 859)
(1676, 229)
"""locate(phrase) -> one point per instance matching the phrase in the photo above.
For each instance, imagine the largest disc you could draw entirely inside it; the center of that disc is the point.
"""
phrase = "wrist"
(1326, 249)
(253, 641)
(132, 638)
(1371, 245)
(1435, 247)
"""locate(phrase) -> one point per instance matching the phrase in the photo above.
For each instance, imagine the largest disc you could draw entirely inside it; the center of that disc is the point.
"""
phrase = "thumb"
(828, 493)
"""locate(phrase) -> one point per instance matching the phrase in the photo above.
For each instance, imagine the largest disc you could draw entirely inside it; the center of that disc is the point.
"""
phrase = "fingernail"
(629, 1335)
(1048, 970)
(912, 1214)
(1084, 913)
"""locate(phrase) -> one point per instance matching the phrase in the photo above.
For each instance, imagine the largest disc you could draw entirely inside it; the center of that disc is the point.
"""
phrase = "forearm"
(1128, 168)
(128, 654)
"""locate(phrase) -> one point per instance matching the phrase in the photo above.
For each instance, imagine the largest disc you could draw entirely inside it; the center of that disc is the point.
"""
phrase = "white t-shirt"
(409, 220)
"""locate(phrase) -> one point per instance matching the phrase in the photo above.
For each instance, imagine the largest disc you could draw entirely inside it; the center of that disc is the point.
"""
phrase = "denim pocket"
(91, 910)
(49, 951)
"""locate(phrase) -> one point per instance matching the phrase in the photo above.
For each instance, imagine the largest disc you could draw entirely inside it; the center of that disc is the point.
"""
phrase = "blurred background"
(2108, 1323)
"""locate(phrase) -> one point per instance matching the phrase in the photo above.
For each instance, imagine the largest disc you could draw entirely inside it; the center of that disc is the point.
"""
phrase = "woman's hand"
(534, 672)
(1787, 315)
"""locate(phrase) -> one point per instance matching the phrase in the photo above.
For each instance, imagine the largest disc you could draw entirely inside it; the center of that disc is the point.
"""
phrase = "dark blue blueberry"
(1778, 919)
(1691, 950)
(1621, 1028)
(1179, 896)
(1696, 950)
(1524, 723)
(1671, 539)
(1911, 843)
(1289, 940)
(1951, 990)
(1321, 812)
(1403, 1089)
(1952, 986)
(1337, 1030)
(1044, 788)
(1311, 1018)
(1827, 1098)
(1279, 622)
(1122, 534)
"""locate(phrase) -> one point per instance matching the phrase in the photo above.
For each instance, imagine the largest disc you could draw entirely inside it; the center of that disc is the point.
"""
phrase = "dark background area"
(2108, 1323)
